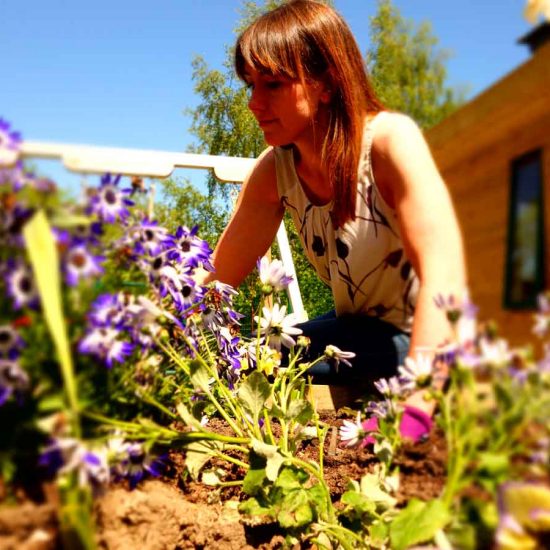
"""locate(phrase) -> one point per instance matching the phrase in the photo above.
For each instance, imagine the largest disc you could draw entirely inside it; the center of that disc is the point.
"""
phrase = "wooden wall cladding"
(474, 149)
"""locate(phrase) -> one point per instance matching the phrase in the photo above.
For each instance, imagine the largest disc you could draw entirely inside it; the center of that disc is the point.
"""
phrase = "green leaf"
(301, 411)
(359, 502)
(254, 478)
(291, 477)
(370, 487)
(295, 510)
(254, 392)
(44, 259)
(198, 454)
(274, 459)
(378, 532)
(254, 508)
(418, 522)
(199, 375)
(187, 418)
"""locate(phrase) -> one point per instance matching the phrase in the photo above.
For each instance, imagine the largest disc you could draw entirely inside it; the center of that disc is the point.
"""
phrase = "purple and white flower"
(103, 343)
(386, 409)
(146, 237)
(273, 275)
(277, 327)
(13, 380)
(188, 249)
(80, 264)
(10, 140)
(108, 202)
(21, 286)
(11, 342)
(66, 455)
(139, 462)
(352, 433)
(389, 387)
(336, 356)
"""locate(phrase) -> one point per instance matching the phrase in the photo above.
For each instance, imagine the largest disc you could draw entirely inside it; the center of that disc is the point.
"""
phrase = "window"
(525, 255)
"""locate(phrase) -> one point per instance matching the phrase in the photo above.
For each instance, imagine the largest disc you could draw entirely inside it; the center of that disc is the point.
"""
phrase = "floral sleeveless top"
(363, 262)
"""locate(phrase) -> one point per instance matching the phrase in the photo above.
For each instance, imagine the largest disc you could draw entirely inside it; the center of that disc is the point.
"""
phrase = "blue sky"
(118, 72)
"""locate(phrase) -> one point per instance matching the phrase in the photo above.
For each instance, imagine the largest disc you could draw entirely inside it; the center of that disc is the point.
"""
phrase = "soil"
(175, 512)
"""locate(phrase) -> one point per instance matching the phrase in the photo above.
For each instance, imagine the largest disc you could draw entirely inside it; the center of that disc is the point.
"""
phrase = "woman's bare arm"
(408, 177)
(253, 224)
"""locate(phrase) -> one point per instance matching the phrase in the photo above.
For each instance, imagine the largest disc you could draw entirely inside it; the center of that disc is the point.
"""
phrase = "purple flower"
(80, 264)
(137, 462)
(17, 177)
(386, 409)
(273, 275)
(10, 342)
(109, 202)
(186, 248)
(9, 141)
(147, 237)
(104, 344)
(21, 286)
(13, 380)
(455, 307)
(107, 310)
(390, 387)
(67, 455)
(336, 356)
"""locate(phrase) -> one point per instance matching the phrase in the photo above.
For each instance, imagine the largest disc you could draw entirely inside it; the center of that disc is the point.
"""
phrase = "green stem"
(343, 538)
(233, 460)
(230, 483)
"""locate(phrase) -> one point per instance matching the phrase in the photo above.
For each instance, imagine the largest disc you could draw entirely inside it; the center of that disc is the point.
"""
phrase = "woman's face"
(285, 109)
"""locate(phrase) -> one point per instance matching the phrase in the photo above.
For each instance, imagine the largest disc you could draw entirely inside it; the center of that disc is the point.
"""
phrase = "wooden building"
(494, 154)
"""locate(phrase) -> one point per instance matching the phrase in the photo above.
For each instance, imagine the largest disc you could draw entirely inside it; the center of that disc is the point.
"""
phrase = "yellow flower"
(535, 8)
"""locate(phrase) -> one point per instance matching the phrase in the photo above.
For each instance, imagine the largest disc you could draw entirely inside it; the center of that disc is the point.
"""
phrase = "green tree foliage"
(406, 68)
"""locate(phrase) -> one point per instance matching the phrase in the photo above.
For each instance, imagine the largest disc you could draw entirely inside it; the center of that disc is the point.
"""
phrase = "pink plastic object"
(415, 424)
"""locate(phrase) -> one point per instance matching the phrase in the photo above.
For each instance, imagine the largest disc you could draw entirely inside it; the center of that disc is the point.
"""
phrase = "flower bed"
(117, 367)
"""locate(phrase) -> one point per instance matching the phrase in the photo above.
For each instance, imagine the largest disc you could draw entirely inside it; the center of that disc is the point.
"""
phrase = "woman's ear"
(326, 92)
(326, 96)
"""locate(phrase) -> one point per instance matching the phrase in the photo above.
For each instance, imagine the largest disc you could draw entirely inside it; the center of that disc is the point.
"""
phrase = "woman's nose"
(256, 103)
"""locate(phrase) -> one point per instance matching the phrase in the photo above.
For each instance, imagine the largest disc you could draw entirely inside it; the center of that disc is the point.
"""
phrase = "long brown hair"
(308, 40)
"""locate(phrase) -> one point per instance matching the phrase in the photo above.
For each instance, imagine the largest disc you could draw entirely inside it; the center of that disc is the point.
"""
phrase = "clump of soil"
(177, 513)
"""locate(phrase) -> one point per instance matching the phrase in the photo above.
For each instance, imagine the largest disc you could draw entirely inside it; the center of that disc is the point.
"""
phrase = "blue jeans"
(379, 346)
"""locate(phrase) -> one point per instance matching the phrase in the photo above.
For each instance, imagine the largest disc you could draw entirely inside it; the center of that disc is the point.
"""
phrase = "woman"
(372, 211)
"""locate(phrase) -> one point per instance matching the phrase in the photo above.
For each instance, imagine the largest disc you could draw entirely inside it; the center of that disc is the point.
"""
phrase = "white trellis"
(89, 159)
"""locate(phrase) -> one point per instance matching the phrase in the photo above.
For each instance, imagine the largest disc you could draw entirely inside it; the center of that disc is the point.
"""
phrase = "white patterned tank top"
(363, 262)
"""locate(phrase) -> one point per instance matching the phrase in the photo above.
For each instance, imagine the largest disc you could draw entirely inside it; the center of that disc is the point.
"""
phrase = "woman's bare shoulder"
(393, 129)
(262, 180)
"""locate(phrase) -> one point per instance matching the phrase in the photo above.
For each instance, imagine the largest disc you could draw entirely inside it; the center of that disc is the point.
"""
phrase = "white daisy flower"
(278, 327)
(416, 373)
(352, 433)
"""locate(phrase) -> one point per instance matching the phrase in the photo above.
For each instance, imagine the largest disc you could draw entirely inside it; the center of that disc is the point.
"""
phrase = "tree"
(406, 68)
